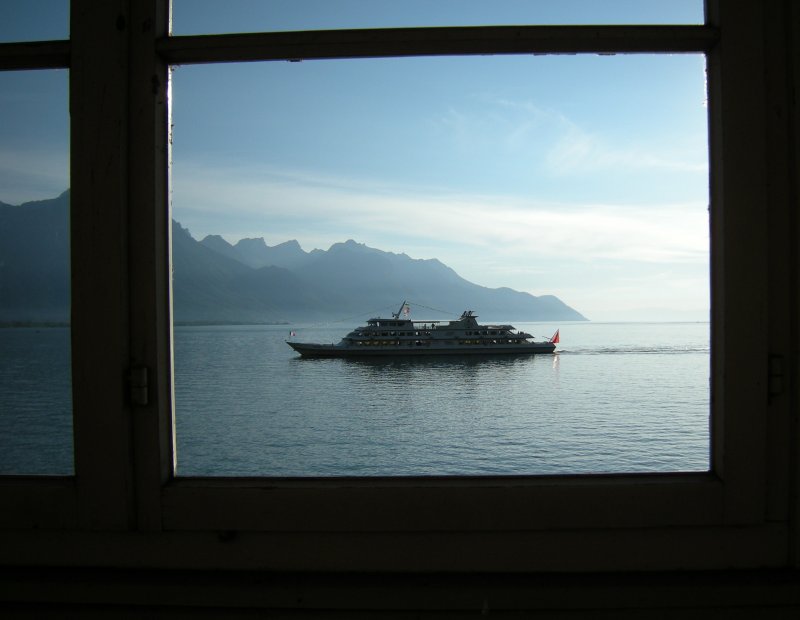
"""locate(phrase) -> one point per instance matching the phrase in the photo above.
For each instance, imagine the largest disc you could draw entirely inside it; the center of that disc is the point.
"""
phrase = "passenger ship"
(402, 336)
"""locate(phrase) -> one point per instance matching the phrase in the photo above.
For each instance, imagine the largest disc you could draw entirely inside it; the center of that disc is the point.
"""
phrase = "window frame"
(123, 495)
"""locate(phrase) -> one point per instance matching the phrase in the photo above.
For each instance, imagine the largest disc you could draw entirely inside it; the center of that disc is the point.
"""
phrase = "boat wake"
(637, 350)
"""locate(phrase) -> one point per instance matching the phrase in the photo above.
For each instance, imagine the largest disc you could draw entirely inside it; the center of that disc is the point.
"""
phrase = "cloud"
(649, 295)
(599, 258)
(505, 226)
(553, 143)
(33, 174)
(579, 151)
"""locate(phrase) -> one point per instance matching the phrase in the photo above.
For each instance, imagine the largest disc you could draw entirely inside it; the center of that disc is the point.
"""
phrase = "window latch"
(137, 383)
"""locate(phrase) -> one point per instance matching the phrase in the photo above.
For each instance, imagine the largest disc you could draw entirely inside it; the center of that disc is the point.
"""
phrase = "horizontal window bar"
(36, 55)
(397, 42)
(510, 504)
(33, 502)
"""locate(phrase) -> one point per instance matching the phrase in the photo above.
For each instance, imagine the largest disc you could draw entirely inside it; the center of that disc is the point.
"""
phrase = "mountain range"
(251, 282)
(34, 261)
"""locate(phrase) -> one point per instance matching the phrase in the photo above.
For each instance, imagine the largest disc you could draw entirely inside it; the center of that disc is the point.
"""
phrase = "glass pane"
(35, 376)
(33, 20)
(537, 191)
(213, 16)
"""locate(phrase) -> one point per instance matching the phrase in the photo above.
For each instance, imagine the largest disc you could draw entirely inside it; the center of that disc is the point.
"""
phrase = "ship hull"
(331, 350)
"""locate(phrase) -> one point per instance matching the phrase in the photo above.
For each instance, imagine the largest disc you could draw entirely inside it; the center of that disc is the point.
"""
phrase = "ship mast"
(403, 307)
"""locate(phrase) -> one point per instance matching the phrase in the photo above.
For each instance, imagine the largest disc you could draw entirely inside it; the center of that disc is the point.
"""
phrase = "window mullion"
(100, 352)
(150, 258)
(740, 249)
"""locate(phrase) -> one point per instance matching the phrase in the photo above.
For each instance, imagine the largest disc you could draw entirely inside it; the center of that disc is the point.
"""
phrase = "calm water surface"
(35, 401)
(616, 398)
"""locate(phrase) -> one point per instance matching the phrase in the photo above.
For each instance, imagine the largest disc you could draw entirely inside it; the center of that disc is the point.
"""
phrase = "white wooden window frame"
(124, 507)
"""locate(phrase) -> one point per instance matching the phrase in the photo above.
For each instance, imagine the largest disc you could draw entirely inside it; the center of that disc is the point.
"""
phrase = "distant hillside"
(34, 261)
(287, 283)
(210, 286)
(251, 282)
(256, 253)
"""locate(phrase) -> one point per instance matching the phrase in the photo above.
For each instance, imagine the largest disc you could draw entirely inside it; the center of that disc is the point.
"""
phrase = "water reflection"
(35, 401)
(249, 405)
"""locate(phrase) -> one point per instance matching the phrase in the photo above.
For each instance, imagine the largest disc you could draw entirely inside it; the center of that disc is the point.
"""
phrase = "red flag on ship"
(555, 339)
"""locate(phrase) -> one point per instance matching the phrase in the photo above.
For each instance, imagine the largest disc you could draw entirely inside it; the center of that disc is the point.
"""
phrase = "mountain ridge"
(250, 282)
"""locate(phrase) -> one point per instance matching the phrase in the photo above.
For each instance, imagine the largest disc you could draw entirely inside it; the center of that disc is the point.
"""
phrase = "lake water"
(616, 398)
(35, 401)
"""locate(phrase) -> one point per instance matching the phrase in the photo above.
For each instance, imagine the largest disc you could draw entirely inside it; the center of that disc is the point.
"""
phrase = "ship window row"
(375, 343)
(410, 341)
(407, 334)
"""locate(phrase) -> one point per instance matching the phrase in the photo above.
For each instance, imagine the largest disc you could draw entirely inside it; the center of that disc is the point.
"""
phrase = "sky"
(581, 176)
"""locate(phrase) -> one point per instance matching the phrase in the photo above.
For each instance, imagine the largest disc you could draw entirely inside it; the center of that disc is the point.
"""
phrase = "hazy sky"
(581, 176)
